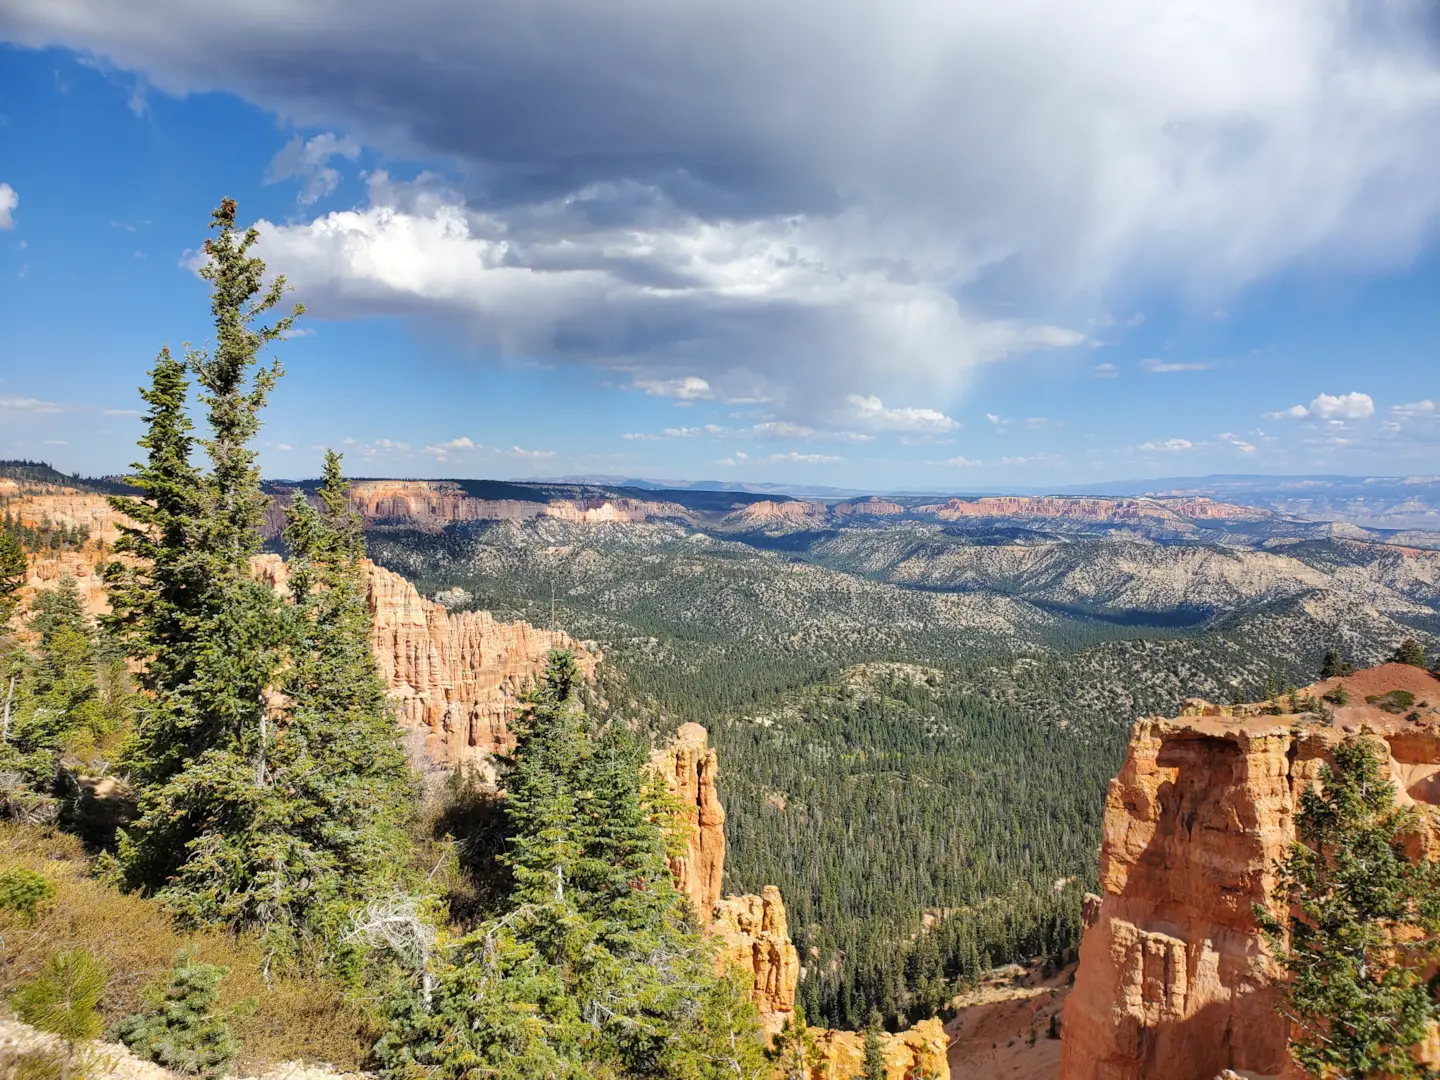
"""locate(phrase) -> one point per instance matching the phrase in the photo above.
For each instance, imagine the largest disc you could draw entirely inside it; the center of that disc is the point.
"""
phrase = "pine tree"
(593, 966)
(1363, 929)
(63, 999)
(182, 1030)
(794, 1050)
(1410, 652)
(1330, 666)
(13, 569)
(874, 1064)
(57, 704)
(213, 632)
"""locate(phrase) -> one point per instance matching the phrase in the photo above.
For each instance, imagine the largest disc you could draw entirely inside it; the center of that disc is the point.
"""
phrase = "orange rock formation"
(917, 1052)
(455, 677)
(689, 767)
(755, 935)
(1173, 980)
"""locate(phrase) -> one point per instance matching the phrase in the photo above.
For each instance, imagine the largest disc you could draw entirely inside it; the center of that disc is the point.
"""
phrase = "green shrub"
(23, 891)
(182, 1030)
(63, 999)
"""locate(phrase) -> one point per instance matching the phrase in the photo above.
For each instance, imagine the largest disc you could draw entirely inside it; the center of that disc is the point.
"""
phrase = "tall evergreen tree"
(159, 594)
(592, 967)
(215, 629)
(1363, 927)
(874, 1063)
(272, 785)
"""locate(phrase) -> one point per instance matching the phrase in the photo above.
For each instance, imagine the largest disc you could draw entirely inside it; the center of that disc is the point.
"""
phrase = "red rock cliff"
(1173, 980)
(455, 677)
(689, 767)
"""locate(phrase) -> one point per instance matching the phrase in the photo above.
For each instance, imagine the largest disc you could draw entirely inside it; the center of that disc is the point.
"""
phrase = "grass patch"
(293, 1014)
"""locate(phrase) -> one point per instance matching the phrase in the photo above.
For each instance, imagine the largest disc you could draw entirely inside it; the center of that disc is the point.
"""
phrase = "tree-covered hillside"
(916, 725)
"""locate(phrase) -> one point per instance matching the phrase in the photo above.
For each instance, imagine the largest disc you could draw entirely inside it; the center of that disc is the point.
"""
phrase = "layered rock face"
(755, 935)
(455, 678)
(432, 504)
(689, 767)
(1174, 981)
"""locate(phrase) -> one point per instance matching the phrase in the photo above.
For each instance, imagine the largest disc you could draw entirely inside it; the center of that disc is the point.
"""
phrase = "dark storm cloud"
(795, 199)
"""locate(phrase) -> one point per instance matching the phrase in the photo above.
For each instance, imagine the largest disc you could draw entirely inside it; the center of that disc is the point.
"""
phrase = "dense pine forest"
(923, 781)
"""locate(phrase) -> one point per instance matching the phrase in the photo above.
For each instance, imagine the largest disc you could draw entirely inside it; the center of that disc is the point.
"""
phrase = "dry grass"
(292, 1016)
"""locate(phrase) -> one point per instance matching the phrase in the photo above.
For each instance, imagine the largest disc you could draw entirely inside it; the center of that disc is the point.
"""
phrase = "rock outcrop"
(755, 936)
(455, 677)
(689, 767)
(916, 1052)
(1174, 980)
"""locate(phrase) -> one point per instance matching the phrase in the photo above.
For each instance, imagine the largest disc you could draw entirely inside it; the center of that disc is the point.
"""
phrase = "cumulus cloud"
(8, 202)
(1333, 407)
(1169, 446)
(632, 196)
(690, 388)
(870, 410)
(306, 160)
(1351, 406)
(1294, 412)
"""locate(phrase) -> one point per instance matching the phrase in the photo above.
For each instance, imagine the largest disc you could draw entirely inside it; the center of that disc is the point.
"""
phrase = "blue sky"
(917, 246)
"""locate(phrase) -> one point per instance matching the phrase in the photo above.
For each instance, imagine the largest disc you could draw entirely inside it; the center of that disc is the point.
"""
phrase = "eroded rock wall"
(1174, 980)
(689, 766)
(755, 935)
(455, 677)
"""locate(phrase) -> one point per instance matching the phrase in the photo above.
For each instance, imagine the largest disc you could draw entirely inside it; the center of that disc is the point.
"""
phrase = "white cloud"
(1165, 367)
(1294, 412)
(1351, 406)
(791, 458)
(307, 160)
(1169, 446)
(1233, 440)
(8, 202)
(446, 451)
(529, 455)
(1104, 371)
(640, 201)
(1333, 407)
(689, 388)
(962, 462)
(119, 412)
(30, 404)
(56, 442)
(1413, 409)
(870, 410)
(804, 459)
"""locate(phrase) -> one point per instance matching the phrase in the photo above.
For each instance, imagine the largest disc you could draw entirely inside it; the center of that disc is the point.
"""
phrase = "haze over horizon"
(919, 246)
